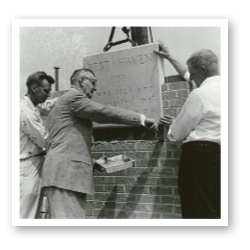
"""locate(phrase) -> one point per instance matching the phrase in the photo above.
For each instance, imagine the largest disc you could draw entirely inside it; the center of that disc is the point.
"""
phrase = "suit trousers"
(199, 180)
(65, 204)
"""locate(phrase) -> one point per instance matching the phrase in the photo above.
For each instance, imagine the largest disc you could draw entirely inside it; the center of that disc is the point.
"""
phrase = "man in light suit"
(68, 168)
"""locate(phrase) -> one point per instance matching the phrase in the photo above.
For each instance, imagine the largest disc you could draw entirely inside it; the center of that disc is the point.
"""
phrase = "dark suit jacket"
(68, 163)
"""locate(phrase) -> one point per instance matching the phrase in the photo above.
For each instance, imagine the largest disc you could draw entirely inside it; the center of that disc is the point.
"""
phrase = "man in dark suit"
(68, 168)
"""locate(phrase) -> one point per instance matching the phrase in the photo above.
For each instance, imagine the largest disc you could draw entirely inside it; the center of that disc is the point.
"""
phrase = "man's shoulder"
(76, 96)
(72, 93)
(27, 113)
(211, 87)
(23, 102)
(195, 93)
(66, 97)
(65, 101)
(25, 108)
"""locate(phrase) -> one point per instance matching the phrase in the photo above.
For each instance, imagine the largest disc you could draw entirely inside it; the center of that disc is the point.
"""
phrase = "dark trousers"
(199, 180)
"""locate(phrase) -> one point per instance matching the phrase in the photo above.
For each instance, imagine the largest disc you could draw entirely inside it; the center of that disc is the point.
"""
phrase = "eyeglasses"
(93, 81)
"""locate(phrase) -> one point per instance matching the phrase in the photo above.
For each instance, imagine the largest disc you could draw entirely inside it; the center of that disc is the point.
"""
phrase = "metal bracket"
(110, 44)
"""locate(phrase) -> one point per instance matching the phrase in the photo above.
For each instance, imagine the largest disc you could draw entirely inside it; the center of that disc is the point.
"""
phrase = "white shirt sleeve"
(190, 115)
(32, 125)
(46, 107)
(143, 119)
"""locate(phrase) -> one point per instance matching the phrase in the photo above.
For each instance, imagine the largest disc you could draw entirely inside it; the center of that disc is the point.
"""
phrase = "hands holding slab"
(166, 120)
(151, 124)
(163, 51)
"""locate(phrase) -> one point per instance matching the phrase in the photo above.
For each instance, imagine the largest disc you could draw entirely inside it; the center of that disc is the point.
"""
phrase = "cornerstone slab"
(129, 78)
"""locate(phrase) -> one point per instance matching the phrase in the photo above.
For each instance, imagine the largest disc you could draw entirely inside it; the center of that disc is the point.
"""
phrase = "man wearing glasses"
(68, 168)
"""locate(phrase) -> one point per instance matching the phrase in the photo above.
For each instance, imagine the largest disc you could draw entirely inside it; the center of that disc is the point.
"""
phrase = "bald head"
(203, 57)
(202, 64)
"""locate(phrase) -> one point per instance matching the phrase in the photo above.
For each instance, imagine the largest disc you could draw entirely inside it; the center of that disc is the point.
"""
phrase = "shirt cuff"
(187, 76)
(170, 135)
(143, 119)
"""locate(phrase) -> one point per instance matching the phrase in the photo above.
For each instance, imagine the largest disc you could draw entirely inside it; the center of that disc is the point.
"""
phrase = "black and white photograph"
(120, 123)
(124, 125)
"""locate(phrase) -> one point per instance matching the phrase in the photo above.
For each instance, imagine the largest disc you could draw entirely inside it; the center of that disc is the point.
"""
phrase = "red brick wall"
(149, 189)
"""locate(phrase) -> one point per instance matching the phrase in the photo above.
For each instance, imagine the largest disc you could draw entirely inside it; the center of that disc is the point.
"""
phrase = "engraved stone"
(129, 78)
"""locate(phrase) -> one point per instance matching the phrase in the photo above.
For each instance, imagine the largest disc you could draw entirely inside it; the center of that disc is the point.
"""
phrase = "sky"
(43, 48)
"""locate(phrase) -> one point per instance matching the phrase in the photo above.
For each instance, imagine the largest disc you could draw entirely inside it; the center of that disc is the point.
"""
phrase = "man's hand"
(151, 124)
(163, 51)
(167, 120)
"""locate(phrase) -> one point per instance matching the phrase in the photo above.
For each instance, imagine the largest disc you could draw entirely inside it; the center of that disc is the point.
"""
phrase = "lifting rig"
(135, 31)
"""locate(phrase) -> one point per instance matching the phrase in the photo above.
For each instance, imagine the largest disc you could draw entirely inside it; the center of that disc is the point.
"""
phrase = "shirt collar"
(210, 79)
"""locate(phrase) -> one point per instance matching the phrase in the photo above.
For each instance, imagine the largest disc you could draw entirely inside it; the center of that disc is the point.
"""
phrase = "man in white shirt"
(198, 127)
(33, 142)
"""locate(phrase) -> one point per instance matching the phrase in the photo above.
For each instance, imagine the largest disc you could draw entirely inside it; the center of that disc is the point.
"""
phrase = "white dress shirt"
(33, 135)
(199, 119)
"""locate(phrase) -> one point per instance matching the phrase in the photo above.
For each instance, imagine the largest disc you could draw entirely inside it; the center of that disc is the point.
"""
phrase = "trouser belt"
(201, 144)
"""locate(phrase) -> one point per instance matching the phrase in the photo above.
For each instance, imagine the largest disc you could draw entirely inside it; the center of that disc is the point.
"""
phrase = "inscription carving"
(137, 59)
(98, 66)
(130, 79)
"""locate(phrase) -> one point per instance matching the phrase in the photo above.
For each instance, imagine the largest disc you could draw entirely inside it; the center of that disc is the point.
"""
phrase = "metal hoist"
(110, 44)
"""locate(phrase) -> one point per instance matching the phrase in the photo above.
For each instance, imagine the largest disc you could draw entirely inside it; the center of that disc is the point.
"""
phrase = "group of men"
(66, 173)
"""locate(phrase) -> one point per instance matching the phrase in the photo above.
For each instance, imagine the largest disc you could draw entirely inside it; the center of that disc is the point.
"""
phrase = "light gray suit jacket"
(68, 163)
